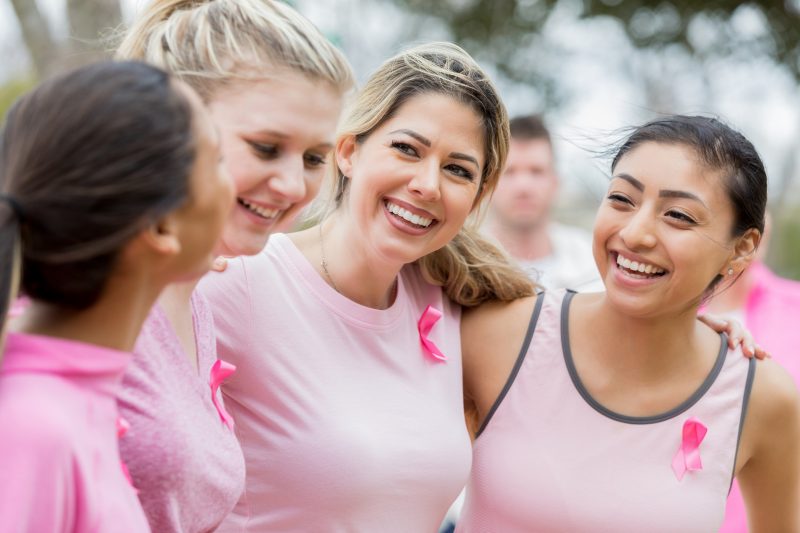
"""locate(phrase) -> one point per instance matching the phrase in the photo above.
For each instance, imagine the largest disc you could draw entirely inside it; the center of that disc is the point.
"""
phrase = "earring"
(730, 271)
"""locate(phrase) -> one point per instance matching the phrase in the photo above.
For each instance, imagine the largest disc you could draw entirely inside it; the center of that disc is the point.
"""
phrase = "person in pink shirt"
(110, 190)
(619, 411)
(348, 399)
(768, 305)
(274, 86)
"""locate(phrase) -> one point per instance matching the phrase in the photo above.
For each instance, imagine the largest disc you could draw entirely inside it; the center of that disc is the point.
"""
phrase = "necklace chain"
(324, 263)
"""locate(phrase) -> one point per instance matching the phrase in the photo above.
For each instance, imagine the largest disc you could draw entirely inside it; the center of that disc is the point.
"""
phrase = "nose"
(639, 231)
(425, 183)
(288, 178)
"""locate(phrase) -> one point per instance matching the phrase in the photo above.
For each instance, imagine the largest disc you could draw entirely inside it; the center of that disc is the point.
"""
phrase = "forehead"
(538, 150)
(288, 102)
(442, 119)
(671, 166)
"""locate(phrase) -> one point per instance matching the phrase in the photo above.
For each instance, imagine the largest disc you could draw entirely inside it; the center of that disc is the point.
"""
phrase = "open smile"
(262, 212)
(638, 269)
(408, 218)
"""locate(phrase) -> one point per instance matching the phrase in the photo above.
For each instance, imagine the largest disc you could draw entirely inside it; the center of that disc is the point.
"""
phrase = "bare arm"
(491, 337)
(769, 472)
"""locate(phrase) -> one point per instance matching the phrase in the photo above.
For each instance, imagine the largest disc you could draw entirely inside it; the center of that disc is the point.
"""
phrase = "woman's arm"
(491, 337)
(769, 469)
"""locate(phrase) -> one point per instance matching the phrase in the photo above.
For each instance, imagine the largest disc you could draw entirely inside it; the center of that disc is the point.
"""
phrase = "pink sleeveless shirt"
(347, 424)
(552, 459)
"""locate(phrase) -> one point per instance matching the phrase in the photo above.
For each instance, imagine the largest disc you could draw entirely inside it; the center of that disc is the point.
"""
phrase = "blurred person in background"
(769, 306)
(274, 86)
(520, 214)
(109, 191)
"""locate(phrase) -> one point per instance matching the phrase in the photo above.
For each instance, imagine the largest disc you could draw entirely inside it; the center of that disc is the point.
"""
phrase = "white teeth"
(644, 268)
(266, 213)
(408, 216)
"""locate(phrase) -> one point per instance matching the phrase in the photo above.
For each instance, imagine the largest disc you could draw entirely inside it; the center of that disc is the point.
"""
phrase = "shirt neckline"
(627, 419)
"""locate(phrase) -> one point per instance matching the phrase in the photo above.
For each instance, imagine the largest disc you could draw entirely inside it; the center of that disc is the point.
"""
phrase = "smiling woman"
(349, 399)
(274, 87)
(671, 413)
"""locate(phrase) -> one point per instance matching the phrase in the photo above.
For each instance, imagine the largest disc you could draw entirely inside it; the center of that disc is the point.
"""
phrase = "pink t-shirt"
(183, 459)
(59, 462)
(551, 458)
(347, 424)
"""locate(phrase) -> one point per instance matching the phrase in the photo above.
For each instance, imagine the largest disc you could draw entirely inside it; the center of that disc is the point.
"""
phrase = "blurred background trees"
(590, 66)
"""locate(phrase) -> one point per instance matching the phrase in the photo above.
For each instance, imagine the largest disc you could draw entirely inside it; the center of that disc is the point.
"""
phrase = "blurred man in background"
(555, 255)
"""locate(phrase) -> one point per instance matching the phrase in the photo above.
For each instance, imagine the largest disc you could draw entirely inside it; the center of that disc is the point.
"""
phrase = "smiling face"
(663, 232)
(415, 178)
(276, 135)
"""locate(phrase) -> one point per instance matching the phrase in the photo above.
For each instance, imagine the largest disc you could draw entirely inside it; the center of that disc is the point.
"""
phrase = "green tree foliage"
(507, 28)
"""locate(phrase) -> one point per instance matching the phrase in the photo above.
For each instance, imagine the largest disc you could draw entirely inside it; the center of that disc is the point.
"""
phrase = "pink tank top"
(549, 458)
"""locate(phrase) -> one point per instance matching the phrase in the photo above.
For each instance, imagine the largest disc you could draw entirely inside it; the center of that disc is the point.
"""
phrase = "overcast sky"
(600, 92)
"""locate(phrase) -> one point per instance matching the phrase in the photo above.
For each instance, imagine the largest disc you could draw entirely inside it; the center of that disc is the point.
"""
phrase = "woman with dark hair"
(620, 411)
(111, 189)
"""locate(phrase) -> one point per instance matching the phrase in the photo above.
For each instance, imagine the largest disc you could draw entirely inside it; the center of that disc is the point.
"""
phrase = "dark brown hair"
(529, 128)
(88, 159)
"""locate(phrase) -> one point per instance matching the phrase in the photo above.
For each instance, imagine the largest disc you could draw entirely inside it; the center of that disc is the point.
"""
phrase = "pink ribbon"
(219, 372)
(426, 322)
(688, 455)
(122, 428)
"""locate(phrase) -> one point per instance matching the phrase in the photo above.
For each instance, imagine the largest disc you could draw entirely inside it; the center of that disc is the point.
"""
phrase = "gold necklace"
(324, 263)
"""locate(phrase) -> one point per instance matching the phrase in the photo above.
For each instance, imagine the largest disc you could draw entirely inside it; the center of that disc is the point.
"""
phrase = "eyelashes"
(674, 214)
(452, 168)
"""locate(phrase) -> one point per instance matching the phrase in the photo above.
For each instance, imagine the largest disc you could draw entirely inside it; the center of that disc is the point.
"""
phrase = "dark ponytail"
(87, 160)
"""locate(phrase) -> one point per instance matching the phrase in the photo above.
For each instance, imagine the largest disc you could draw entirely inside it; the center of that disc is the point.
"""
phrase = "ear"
(744, 251)
(345, 154)
(162, 237)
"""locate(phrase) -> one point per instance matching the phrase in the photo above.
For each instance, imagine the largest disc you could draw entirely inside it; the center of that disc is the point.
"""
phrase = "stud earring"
(730, 271)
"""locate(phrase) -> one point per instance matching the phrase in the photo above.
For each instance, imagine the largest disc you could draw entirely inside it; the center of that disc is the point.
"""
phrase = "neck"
(352, 269)
(114, 321)
(732, 298)
(651, 348)
(524, 243)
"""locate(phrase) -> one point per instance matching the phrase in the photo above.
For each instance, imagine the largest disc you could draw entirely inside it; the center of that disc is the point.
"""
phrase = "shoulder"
(494, 330)
(774, 396)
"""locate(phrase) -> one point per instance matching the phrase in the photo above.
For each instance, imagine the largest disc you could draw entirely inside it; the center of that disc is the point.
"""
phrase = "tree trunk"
(91, 23)
(37, 36)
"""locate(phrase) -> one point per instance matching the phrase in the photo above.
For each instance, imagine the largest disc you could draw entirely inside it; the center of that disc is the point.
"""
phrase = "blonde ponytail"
(472, 270)
(210, 43)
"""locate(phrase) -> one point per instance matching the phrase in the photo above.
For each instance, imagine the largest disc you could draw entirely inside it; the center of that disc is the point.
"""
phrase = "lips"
(638, 269)
(258, 210)
(409, 215)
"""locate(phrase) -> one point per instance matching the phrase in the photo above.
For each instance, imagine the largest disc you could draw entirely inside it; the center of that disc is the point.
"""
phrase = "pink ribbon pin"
(219, 372)
(688, 455)
(122, 428)
(426, 322)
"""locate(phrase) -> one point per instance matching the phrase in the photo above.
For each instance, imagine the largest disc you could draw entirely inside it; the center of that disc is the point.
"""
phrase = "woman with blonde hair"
(348, 402)
(274, 87)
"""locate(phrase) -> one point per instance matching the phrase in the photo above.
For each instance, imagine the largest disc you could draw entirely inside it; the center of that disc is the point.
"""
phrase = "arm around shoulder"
(769, 475)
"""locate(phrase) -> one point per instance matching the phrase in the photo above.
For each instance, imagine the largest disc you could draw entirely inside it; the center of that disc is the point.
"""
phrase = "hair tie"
(13, 204)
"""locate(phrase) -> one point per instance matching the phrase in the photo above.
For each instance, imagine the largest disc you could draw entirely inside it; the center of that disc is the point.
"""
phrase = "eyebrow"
(325, 145)
(663, 193)
(427, 142)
